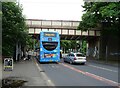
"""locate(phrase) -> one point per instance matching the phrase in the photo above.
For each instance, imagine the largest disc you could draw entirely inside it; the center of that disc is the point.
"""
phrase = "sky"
(52, 9)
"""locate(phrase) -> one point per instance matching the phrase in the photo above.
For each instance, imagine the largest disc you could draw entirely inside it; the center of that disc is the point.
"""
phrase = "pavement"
(27, 71)
(111, 63)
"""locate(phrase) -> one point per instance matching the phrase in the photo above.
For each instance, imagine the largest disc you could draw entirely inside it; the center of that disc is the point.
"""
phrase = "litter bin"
(8, 64)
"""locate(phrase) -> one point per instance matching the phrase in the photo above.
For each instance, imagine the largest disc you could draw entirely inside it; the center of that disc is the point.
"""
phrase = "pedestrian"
(26, 55)
(29, 54)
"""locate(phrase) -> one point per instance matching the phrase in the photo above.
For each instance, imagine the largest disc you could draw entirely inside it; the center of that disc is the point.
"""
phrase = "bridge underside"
(66, 29)
(76, 37)
(70, 37)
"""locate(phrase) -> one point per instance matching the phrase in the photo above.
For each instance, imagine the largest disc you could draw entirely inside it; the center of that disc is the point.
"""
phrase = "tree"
(65, 44)
(69, 44)
(30, 42)
(83, 46)
(106, 14)
(13, 27)
(0, 28)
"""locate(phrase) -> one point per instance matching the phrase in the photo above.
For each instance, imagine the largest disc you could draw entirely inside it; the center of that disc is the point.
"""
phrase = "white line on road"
(103, 68)
(53, 66)
(45, 78)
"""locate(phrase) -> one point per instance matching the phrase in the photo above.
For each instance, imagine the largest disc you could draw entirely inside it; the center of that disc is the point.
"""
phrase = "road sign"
(8, 64)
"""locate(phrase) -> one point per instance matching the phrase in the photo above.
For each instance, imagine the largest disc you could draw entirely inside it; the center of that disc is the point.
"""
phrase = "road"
(64, 74)
(91, 74)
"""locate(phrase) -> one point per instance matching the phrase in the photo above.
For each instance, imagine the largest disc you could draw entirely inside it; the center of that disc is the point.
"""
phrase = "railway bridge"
(67, 30)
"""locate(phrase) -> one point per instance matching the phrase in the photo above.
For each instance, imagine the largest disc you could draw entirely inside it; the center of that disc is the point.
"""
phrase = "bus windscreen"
(50, 45)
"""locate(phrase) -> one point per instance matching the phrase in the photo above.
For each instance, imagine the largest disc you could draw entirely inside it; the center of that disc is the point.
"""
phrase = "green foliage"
(68, 44)
(30, 42)
(65, 44)
(83, 47)
(13, 27)
(106, 14)
(0, 13)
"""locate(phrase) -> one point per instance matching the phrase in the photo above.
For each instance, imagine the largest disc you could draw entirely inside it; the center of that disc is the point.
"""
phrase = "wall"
(110, 48)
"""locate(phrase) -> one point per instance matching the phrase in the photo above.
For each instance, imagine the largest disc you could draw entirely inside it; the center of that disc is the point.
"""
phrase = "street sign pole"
(106, 53)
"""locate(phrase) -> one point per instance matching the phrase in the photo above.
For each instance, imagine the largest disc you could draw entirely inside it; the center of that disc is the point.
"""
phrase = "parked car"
(75, 58)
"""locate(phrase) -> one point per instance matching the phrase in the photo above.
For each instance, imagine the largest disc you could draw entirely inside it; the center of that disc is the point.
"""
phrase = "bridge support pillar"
(93, 48)
(110, 47)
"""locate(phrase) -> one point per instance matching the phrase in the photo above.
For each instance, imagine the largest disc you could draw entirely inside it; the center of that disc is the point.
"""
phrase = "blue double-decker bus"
(49, 47)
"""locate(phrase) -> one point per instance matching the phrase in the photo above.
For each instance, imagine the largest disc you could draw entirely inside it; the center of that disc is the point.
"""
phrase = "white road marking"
(103, 68)
(53, 66)
(45, 78)
(49, 80)
(102, 78)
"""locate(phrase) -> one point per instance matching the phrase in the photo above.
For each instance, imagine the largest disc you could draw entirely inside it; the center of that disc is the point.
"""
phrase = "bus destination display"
(49, 34)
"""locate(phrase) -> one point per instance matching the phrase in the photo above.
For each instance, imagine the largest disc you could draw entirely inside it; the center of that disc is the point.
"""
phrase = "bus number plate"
(50, 60)
(47, 55)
